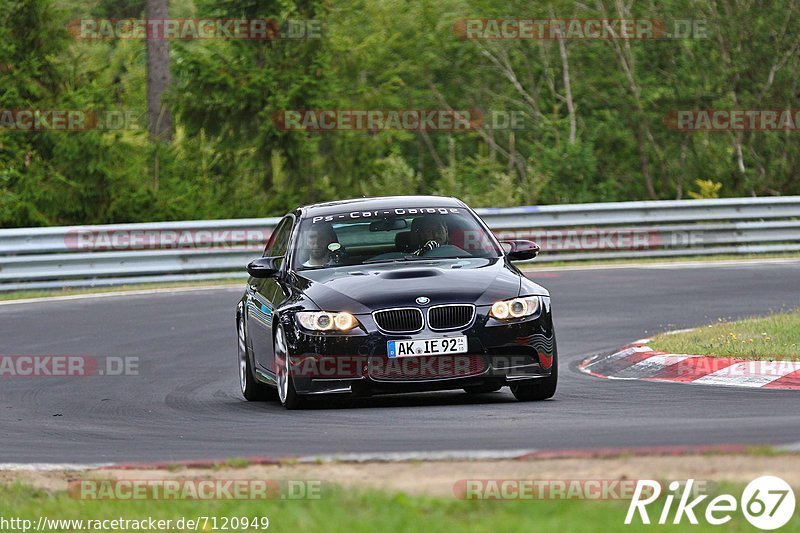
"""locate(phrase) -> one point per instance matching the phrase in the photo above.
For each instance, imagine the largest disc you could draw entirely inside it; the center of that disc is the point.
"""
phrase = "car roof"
(378, 203)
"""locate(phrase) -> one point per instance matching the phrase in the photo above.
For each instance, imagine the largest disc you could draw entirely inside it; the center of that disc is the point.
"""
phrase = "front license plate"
(442, 345)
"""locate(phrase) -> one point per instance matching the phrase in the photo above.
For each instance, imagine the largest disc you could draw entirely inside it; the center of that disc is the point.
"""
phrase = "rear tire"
(252, 389)
(538, 389)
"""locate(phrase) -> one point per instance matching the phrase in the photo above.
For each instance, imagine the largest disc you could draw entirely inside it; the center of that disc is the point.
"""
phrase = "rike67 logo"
(767, 502)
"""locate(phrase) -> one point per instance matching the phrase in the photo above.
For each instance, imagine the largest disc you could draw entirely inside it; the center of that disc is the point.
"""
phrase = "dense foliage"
(594, 110)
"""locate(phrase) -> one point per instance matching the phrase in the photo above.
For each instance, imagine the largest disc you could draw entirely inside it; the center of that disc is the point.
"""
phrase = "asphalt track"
(185, 403)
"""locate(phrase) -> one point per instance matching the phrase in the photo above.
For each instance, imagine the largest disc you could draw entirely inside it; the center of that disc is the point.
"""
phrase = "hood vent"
(407, 273)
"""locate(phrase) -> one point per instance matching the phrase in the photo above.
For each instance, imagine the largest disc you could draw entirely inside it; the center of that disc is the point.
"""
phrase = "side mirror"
(520, 250)
(264, 267)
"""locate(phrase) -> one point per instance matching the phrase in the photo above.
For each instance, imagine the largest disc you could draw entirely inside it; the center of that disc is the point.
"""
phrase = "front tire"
(538, 389)
(287, 394)
(252, 390)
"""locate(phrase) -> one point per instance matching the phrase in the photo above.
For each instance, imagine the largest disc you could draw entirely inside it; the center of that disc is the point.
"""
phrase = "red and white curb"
(639, 361)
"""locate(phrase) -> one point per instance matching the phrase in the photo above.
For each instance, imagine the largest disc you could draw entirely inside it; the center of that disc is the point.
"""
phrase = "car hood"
(365, 288)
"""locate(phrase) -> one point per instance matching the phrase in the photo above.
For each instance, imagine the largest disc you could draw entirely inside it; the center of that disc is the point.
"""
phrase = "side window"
(279, 241)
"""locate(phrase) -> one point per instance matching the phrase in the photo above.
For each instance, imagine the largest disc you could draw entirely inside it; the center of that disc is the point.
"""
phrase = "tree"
(158, 74)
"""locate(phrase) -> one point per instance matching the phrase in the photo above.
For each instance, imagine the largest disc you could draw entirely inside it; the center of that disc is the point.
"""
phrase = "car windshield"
(391, 235)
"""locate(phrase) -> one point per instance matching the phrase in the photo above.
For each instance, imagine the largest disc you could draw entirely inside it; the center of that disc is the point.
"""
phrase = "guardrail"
(75, 256)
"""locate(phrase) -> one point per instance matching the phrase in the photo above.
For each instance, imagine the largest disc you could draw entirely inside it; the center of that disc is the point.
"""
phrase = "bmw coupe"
(388, 295)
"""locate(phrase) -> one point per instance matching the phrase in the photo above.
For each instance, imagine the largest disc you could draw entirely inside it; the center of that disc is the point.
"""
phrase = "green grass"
(768, 338)
(367, 511)
(237, 462)
(49, 293)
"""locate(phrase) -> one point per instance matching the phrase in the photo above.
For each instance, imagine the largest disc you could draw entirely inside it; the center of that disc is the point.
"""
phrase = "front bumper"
(499, 353)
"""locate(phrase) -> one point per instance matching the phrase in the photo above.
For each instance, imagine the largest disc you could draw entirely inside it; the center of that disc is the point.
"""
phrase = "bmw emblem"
(422, 300)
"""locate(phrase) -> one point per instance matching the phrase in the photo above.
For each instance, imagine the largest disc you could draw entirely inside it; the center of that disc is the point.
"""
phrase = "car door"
(262, 300)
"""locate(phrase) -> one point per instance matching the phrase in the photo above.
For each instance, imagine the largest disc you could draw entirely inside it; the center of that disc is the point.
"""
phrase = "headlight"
(516, 308)
(325, 321)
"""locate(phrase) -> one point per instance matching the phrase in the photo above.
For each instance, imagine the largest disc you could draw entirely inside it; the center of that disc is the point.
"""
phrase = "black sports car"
(394, 294)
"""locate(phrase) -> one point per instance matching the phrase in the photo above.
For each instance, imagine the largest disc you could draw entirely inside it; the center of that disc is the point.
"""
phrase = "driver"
(318, 240)
(432, 232)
